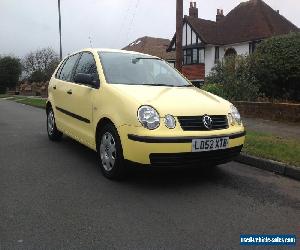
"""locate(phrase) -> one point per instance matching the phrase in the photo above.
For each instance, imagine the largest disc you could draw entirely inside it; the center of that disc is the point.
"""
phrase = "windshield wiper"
(154, 84)
(135, 60)
(188, 86)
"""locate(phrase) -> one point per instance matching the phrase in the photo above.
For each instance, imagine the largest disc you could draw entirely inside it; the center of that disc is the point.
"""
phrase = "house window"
(252, 46)
(171, 62)
(187, 56)
(193, 56)
(201, 55)
(217, 54)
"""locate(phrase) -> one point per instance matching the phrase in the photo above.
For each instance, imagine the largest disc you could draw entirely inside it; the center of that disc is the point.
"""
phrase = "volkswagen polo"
(133, 107)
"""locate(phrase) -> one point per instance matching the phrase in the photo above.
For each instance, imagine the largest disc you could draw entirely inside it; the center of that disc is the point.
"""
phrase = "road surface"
(53, 196)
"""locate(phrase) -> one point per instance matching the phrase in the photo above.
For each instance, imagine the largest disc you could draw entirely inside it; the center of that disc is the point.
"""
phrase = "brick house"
(33, 89)
(153, 46)
(206, 42)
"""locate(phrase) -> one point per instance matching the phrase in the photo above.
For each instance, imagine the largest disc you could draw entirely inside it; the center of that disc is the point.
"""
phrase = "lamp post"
(59, 24)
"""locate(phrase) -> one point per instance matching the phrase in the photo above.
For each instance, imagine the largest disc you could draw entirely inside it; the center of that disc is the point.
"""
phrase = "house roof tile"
(152, 46)
(249, 21)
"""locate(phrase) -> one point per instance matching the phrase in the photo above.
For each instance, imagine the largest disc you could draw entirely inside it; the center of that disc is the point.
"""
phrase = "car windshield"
(136, 69)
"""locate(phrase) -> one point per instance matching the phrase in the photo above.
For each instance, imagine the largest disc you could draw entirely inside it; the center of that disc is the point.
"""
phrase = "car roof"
(112, 50)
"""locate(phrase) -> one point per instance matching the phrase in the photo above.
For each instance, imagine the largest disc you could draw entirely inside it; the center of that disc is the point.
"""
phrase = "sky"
(28, 25)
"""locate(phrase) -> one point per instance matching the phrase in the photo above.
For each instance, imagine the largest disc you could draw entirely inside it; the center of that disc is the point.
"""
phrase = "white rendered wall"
(209, 58)
(241, 49)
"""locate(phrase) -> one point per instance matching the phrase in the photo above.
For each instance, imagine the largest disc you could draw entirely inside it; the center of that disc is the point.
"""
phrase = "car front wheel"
(110, 153)
(53, 133)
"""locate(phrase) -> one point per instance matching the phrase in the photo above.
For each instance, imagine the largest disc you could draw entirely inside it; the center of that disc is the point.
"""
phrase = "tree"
(10, 71)
(40, 64)
(37, 76)
(276, 66)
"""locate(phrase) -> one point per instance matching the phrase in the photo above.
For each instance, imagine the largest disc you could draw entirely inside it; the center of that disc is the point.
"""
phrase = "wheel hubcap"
(50, 122)
(108, 151)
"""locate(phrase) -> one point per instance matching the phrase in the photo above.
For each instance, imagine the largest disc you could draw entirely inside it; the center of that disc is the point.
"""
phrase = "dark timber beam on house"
(179, 15)
(195, 46)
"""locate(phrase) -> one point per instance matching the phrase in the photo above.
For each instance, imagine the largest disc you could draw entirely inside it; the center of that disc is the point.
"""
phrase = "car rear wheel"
(110, 153)
(53, 133)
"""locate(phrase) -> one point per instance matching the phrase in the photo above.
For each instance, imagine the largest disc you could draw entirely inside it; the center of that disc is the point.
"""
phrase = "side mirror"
(87, 79)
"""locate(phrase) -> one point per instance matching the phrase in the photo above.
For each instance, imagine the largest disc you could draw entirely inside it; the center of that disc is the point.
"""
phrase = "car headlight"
(235, 115)
(170, 121)
(148, 117)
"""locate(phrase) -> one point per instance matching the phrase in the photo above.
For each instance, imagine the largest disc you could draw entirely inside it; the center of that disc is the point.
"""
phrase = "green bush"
(273, 71)
(233, 80)
(214, 88)
(276, 66)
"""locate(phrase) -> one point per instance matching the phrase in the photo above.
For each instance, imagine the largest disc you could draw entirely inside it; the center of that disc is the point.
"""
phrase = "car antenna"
(90, 39)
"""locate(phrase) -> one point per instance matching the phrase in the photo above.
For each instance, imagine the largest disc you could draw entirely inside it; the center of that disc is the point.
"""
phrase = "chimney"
(219, 15)
(193, 10)
(278, 11)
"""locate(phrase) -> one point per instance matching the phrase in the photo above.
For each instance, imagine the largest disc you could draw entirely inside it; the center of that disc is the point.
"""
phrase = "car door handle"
(54, 87)
(69, 91)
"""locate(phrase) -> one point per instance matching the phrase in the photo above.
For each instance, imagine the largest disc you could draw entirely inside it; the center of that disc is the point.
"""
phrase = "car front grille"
(195, 123)
(194, 158)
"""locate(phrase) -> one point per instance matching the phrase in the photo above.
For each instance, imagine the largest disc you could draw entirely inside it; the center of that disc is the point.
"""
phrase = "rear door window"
(60, 68)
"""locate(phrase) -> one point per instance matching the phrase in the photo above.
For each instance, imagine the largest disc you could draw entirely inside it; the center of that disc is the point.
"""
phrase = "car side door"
(54, 93)
(60, 90)
(80, 101)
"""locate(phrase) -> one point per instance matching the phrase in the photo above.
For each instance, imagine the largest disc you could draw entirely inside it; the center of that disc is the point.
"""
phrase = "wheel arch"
(48, 106)
(101, 123)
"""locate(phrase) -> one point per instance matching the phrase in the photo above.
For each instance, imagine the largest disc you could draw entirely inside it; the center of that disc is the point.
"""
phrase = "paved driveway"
(52, 195)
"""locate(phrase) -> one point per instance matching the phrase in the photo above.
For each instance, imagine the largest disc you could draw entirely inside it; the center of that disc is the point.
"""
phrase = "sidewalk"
(281, 129)
(33, 97)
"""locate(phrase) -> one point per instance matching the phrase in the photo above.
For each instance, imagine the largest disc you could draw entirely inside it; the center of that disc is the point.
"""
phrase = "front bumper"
(176, 150)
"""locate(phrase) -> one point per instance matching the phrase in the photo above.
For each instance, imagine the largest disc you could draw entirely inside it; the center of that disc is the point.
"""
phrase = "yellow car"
(133, 107)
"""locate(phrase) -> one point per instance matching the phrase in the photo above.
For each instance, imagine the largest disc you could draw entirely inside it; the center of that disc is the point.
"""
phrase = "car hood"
(176, 101)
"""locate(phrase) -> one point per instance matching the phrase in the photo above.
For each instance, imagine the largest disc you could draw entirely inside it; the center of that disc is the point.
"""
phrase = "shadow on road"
(148, 176)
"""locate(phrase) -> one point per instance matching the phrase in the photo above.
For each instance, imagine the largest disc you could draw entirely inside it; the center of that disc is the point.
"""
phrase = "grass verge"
(39, 103)
(36, 102)
(272, 147)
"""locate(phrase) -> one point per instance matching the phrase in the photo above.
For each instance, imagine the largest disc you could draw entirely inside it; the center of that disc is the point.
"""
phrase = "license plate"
(199, 145)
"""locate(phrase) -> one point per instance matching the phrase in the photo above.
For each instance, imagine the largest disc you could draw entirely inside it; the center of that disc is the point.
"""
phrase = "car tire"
(53, 133)
(110, 153)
